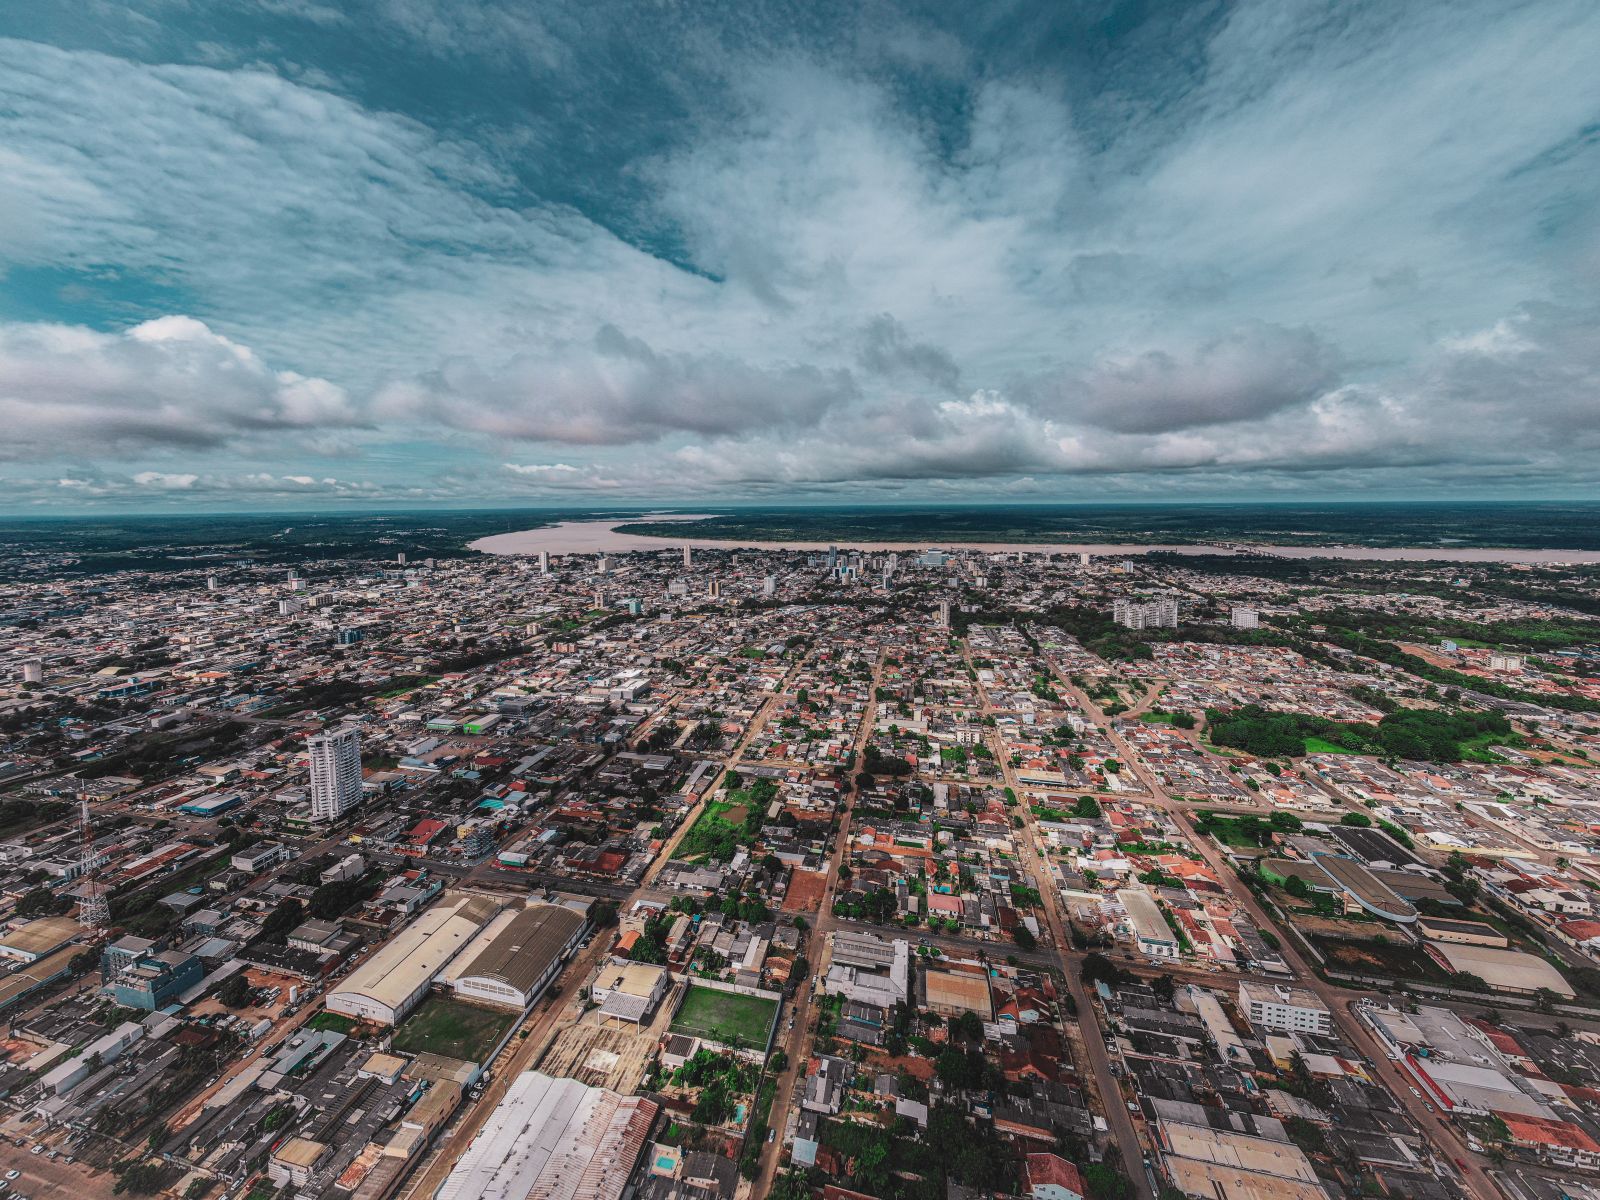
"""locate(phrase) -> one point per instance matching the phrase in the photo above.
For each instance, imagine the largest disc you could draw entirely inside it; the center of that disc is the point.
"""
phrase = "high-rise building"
(714, 589)
(769, 586)
(688, 556)
(288, 607)
(335, 773)
(33, 671)
(1245, 618)
(1155, 614)
(544, 562)
(833, 557)
(1083, 558)
(401, 558)
(1505, 662)
(944, 614)
(212, 583)
(602, 565)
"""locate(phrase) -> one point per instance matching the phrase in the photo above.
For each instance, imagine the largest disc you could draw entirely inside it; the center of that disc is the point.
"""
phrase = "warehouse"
(629, 991)
(34, 940)
(1502, 970)
(510, 968)
(556, 1139)
(395, 979)
(953, 992)
(1149, 928)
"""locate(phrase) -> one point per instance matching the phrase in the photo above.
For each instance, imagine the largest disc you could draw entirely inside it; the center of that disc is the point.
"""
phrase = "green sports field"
(455, 1030)
(723, 1016)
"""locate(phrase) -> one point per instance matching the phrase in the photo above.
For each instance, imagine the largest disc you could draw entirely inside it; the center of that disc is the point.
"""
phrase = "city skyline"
(292, 255)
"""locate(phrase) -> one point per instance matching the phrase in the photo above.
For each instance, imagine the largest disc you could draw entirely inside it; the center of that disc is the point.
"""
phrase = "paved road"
(796, 1042)
(546, 1019)
(1103, 1083)
(1338, 1000)
(540, 1027)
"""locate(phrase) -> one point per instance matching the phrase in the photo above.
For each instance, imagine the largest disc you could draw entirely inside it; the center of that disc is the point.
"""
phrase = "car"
(36, 1149)
(3, 1185)
(771, 1133)
(13, 1173)
(1427, 1106)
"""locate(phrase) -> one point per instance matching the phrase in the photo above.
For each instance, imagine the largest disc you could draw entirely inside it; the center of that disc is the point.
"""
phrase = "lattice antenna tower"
(94, 906)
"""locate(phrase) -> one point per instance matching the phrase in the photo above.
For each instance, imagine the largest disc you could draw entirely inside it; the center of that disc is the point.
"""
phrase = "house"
(1051, 1177)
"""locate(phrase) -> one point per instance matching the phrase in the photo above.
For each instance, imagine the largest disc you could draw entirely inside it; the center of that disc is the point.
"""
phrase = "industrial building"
(951, 992)
(33, 940)
(509, 966)
(869, 969)
(1149, 928)
(556, 1139)
(629, 991)
(394, 980)
(1502, 970)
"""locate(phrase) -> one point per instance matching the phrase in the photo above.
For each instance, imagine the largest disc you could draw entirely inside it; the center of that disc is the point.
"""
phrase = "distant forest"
(1533, 526)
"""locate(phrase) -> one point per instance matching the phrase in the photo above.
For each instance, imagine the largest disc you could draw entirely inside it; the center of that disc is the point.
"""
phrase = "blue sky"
(262, 253)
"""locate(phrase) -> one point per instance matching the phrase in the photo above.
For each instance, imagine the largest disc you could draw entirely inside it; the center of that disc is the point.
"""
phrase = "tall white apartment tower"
(688, 556)
(544, 562)
(1245, 618)
(335, 773)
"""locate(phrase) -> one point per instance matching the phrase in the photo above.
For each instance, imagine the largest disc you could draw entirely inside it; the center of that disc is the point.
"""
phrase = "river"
(595, 537)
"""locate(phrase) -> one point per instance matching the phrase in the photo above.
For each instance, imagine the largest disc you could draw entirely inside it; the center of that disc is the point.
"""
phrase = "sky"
(302, 253)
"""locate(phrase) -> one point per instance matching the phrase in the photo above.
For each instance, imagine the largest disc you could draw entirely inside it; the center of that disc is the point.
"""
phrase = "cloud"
(618, 390)
(887, 349)
(800, 250)
(67, 391)
(1249, 373)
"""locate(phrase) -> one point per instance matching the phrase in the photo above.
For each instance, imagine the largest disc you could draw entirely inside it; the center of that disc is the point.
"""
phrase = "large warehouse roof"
(421, 950)
(522, 952)
(553, 1139)
(35, 939)
(1511, 970)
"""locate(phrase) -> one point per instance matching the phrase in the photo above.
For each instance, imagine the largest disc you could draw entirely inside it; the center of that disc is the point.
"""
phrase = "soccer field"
(455, 1030)
(723, 1016)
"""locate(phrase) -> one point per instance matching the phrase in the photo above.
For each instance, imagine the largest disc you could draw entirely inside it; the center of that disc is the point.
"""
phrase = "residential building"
(335, 773)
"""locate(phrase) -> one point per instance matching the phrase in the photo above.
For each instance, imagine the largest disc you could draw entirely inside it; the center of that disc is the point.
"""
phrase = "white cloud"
(71, 392)
(1292, 241)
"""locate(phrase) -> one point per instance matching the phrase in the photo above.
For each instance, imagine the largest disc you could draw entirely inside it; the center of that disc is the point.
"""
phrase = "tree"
(1023, 937)
(235, 991)
(1097, 968)
(969, 1026)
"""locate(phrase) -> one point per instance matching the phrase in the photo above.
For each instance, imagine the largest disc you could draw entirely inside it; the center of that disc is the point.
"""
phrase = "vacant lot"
(1382, 959)
(456, 1030)
(805, 891)
(723, 1016)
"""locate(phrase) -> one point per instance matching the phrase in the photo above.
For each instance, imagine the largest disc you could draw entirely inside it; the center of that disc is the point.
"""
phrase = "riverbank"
(603, 537)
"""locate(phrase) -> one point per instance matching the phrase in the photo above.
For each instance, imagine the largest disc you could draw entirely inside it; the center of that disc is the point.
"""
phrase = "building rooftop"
(521, 953)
